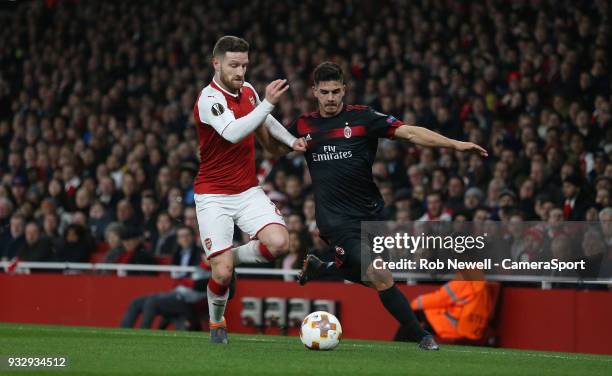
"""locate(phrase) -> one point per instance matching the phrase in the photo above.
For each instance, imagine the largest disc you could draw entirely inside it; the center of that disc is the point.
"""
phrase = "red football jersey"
(225, 168)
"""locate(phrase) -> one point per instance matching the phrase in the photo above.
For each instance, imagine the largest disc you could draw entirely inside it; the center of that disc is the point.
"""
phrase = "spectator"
(133, 250)
(112, 236)
(166, 235)
(77, 245)
(36, 247)
(14, 240)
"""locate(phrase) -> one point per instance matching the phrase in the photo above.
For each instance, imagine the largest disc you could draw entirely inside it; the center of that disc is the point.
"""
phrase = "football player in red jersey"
(228, 114)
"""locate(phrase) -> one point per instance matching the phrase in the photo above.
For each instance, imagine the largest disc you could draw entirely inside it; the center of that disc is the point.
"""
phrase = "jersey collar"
(220, 88)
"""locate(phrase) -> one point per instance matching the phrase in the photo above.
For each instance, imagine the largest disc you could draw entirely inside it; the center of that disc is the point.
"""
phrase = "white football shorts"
(250, 210)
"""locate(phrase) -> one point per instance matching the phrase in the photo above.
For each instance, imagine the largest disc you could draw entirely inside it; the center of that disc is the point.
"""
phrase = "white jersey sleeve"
(213, 110)
(275, 128)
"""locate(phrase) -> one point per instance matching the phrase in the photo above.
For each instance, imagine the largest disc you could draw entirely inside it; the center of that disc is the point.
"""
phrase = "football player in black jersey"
(342, 144)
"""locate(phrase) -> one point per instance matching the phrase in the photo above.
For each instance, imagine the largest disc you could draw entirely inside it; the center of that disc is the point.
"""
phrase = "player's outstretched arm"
(280, 134)
(275, 147)
(425, 137)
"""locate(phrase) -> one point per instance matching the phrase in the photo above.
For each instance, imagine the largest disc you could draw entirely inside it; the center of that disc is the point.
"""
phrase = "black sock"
(396, 303)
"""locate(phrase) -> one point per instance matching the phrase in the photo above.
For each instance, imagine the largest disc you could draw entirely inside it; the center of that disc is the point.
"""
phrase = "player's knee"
(278, 244)
(223, 275)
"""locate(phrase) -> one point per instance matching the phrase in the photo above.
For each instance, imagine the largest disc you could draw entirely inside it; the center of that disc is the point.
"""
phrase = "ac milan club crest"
(347, 132)
(208, 243)
(339, 250)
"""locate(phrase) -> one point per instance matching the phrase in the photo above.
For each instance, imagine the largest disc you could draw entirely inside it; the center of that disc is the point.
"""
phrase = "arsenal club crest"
(347, 132)
(208, 243)
(252, 100)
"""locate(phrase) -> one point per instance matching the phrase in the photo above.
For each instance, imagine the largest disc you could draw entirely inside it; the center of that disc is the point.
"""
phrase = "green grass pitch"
(97, 351)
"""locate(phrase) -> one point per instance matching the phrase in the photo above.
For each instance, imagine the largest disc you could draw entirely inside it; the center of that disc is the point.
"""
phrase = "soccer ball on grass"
(320, 331)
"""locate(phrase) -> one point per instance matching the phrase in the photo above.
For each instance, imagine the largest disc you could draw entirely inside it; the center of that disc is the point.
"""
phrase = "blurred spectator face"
(543, 209)
(537, 173)
(387, 194)
(455, 187)
(379, 170)
(55, 188)
(555, 216)
(527, 190)
(124, 211)
(130, 244)
(438, 180)
(566, 170)
(82, 199)
(434, 205)
(79, 218)
(569, 190)
(481, 215)
(561, 249)
(128, 185)
(175, 209)
(295, 223)
(164, 223)
(294, 242)
(148, 206)
(415, 176)
(231, 69)
(184, 238)
(577, 144)
(591, 214)
(515, 226)
(190, 218)
(97, 211)
(6, 208)
(51, 224)
(17, 226)
(329, 96)
(603, 197)
(107, 186)
(593, 244)
(402, 216)
(293, 187)
(418, 193)
(309, 210)
(113, 238)
(32, 233)
(501, 171)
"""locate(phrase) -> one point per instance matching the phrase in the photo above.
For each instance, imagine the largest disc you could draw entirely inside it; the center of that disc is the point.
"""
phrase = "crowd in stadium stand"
(98, 138)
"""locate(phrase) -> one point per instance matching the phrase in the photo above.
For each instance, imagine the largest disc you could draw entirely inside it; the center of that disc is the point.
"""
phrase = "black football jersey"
(340, 154)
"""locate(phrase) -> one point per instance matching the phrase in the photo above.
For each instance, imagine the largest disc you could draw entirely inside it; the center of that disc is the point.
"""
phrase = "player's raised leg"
(260, 218)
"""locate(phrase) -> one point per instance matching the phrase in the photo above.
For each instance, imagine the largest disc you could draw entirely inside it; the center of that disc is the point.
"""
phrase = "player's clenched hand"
(470, 146)
(275, 89)
(300, 144)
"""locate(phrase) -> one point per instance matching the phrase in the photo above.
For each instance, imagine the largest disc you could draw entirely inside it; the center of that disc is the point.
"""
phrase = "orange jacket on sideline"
(459, 309)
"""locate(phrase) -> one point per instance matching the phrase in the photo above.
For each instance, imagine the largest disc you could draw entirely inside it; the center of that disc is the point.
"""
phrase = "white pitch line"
(153, 333)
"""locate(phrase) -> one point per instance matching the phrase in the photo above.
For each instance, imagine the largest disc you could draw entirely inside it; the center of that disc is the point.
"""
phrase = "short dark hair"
(328, 71)
(230, 43)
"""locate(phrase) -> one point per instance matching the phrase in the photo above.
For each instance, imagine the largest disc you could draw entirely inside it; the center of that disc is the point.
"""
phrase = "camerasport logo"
(208, 243)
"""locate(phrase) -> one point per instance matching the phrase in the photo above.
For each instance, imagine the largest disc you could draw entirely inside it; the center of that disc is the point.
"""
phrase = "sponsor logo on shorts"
(217, 109)
(208, 243)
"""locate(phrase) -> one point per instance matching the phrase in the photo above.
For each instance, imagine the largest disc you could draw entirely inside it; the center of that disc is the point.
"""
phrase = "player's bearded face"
(232, 70)
(329, 94)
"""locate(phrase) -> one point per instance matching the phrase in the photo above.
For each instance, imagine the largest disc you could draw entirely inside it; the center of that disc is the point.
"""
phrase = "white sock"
(216, 304)
(251, 252)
